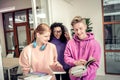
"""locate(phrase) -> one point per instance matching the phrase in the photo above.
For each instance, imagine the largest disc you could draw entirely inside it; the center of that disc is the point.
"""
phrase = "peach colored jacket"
(39, 61)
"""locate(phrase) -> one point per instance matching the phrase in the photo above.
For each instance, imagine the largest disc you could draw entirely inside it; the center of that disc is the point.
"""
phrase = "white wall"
(2, 37)
(1, 68)
(61, 12)
(65, 11)
(18, 4)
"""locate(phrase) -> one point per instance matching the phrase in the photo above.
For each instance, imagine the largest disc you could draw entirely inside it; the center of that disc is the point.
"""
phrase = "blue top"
(60, 50)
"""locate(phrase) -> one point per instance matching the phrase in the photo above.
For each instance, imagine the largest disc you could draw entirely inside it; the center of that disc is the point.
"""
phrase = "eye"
(46, 36)
(59, 31)
(80, 28)
(75, 29)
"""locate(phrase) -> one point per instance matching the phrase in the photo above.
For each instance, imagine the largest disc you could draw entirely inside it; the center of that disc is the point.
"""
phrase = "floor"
(108, 77)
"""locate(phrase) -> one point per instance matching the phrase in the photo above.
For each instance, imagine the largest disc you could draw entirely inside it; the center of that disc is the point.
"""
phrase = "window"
(111, 16)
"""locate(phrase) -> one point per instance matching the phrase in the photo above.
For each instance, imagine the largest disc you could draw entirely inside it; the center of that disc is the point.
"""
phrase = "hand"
(80, 62)
(56, 67)
(59, 67)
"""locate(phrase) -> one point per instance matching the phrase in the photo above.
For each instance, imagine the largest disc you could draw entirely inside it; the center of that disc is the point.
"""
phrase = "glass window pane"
(8, 21)
(31, 19)
(41, 15)
(41, 11)
(112, 18)
(22, 39)
(111, 10)
(10, 41)
(113, 59)
(20, 17)
(21, 31)
(32, 34)
(112, 37)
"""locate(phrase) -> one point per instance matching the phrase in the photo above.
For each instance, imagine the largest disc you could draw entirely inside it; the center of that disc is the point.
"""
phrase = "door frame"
(16, 36)
(28, 31)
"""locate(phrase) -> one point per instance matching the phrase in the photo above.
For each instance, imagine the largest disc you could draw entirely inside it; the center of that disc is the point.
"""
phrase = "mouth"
(79, 34)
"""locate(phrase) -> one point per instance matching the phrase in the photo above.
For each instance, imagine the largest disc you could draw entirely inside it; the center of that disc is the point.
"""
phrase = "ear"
(37, 35)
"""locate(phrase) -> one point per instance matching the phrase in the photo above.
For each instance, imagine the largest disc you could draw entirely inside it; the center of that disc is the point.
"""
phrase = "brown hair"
(41, 28)
(78, 19)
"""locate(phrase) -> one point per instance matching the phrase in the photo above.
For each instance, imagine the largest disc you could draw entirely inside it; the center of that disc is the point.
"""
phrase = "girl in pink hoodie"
(38, 56)
(81, 48)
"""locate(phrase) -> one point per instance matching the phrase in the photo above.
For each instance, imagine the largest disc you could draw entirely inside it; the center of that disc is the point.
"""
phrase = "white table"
(59, 72)
(33, 76)
(55, 71)
(10, 63)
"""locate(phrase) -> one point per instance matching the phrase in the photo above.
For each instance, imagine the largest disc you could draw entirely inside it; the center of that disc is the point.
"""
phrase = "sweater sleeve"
(96, 53)
(68, 55)
(24, 61)
(55, 53)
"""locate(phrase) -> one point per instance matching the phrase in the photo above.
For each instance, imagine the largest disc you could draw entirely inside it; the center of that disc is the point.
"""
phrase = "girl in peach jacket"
(39, 55)
(81, 48)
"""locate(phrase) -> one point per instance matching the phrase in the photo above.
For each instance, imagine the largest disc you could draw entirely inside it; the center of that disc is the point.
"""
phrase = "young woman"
(81, 48)
(58, 37)
(40, 54)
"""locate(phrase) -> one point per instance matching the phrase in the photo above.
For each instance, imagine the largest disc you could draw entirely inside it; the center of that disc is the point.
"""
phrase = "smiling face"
(57, 32)
(79, 25)
(80, 30)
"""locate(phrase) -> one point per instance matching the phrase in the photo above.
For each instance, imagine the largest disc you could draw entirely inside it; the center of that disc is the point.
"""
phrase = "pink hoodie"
(83, 49)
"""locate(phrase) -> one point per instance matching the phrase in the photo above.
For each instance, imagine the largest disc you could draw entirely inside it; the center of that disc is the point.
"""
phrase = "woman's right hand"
(56, 67)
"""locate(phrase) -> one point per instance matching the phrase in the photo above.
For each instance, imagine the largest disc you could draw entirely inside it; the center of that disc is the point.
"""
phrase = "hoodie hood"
(90, 36)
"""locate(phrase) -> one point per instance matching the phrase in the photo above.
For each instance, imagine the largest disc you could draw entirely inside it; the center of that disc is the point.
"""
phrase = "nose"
(48, 38)
(78, 31)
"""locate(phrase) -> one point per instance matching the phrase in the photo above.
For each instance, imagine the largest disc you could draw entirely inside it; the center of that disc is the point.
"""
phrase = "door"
(22, 30)
(18, 30)
(22, 37)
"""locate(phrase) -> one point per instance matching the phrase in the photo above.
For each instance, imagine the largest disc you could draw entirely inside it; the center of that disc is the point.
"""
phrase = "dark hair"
(41, 28)
(62, 37)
